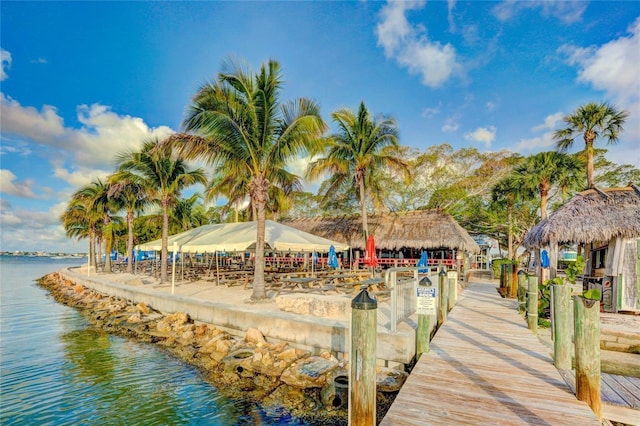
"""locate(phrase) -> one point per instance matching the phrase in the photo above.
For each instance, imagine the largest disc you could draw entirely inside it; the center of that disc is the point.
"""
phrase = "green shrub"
(574, 269)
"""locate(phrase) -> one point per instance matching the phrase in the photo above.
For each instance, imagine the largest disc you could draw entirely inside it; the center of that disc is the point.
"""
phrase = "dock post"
(522, 291)
(443, 288)
(561, 321)
(513, 291)
(453, 291)
(532, 305)
(362, 360)
(587, 337)
(426, 307)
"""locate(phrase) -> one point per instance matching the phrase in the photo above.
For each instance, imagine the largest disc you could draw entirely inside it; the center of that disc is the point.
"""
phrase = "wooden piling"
(522, 291)
(587, 343)
(532, 305)
(443, 290)
(362, 362)
(453, 292)
(513, 291)
(561, 321)
(423, 332)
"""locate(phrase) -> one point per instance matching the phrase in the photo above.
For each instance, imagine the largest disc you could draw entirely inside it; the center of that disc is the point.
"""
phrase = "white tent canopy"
(242, 236)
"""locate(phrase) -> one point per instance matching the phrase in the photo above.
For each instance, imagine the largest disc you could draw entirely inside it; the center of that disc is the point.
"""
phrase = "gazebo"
(606, 222)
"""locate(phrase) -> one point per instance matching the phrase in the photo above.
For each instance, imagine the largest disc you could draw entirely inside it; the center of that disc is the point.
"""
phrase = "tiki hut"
(606, 222)
(396, 232)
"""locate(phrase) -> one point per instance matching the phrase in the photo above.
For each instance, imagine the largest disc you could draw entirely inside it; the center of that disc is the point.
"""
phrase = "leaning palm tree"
(238, 125)
(592, 121)
(361, 149)
(79, 222)
(164, 175)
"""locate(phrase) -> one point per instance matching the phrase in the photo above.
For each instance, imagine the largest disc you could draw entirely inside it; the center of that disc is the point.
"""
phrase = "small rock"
(254, 336)
(143, 308)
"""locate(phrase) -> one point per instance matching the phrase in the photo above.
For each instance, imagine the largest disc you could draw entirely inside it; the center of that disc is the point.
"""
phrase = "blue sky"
(82, 81)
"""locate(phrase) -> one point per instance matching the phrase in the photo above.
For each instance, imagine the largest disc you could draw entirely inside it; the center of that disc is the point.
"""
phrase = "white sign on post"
(426, 300)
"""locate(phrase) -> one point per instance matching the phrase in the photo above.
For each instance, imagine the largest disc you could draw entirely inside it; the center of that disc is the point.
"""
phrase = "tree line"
(238, 127)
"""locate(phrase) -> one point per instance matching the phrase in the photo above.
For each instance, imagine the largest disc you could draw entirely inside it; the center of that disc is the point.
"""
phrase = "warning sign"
(426, 300)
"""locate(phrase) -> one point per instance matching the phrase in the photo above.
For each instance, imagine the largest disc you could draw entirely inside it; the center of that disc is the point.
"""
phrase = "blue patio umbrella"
(544, 261)
(333, 258)
(424, 261)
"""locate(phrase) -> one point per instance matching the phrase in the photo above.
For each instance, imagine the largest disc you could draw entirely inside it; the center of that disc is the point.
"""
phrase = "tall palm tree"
(133, 197)
(592, 121)
(361, 148)
(238, 125)
(164, 175)
(540, 171)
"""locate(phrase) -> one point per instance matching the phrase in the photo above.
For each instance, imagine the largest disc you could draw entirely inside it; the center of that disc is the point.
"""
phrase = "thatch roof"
(426, 229)
(592, 215)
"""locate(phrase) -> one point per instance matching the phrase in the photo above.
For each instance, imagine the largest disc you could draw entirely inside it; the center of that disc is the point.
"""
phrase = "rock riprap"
(277, 376)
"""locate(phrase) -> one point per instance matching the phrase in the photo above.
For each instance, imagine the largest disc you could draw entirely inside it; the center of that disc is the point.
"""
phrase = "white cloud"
(545, 141)
(485, 135)
(80, 176)
(614, 68)
(451, 4)
(93, 146)
(5, 58)
(39, 61)
(105, 133)
(568, 12)
(411, 48)
(9, 185)
(450, 125)
(490, 106)
(430, 112)
(550, 122)
(44, 126)
(34, 231)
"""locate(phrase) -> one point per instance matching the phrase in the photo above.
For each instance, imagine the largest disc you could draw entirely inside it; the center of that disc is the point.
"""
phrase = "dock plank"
(485, 367)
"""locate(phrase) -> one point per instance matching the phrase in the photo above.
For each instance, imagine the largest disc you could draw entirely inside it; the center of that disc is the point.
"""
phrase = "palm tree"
(361, 149)
(133, 197)
(239, 126)
(77, 222)
(540, 171)
(592, 121)
(164, 175)
(100, 209)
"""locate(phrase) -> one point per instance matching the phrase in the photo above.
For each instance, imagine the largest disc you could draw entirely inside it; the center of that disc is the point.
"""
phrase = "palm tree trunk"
(590, 178)
(259, 195)
(544, 194)
(510, 231)
(92, 251)
(108, 242)
(363, 203)
(164, 254)
(130, 241)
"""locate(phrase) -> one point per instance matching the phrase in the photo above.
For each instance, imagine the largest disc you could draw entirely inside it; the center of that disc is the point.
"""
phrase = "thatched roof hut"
(592, 215)
(428, 229)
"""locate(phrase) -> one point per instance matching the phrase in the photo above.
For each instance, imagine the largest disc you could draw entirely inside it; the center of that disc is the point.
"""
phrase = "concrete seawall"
(314, 334)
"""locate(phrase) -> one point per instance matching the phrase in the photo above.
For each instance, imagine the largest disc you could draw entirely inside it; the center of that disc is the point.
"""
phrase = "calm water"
(56, 370)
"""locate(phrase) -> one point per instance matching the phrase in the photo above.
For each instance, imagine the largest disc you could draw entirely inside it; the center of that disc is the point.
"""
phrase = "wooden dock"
(620, 396)
(486, 368)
